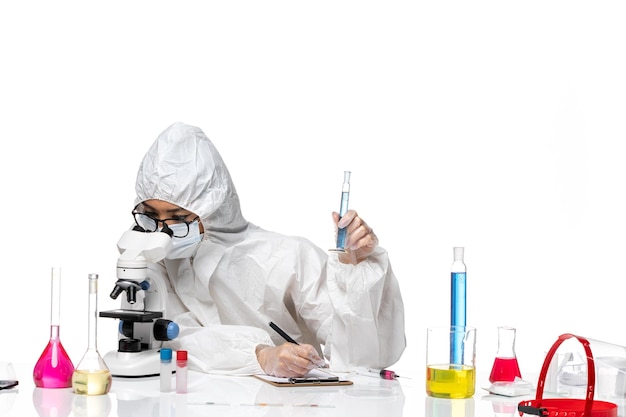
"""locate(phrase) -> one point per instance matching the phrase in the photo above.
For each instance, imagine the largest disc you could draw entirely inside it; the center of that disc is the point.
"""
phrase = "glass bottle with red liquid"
(505, 367)
(54, 368)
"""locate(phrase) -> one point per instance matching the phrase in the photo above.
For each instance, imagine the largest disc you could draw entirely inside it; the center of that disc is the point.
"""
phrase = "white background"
(493, 125)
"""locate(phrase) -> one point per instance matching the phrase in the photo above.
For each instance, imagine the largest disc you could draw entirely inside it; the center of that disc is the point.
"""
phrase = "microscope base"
(134, 364)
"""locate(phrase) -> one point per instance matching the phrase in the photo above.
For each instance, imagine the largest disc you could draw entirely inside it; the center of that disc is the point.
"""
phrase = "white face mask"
(184, 247)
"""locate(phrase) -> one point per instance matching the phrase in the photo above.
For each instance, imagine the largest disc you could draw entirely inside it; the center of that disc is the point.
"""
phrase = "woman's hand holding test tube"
(360, 239)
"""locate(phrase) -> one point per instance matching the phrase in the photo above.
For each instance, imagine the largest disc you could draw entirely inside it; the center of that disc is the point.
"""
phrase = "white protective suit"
(242, 277)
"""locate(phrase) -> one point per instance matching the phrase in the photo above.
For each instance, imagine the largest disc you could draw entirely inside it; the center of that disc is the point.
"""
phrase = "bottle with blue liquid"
(458, 306)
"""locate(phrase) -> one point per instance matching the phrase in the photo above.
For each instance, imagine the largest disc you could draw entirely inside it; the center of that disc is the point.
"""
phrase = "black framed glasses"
(178, 226)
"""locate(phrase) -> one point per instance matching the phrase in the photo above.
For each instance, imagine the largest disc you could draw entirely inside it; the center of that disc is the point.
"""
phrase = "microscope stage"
(132, 315)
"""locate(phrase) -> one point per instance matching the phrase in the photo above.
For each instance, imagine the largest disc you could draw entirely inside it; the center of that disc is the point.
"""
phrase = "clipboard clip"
(310, 380)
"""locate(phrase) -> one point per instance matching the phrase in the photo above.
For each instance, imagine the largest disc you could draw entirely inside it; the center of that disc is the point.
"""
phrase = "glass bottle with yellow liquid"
(92, 376)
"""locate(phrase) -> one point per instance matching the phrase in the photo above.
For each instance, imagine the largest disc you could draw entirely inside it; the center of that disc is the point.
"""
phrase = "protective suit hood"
(183, 167)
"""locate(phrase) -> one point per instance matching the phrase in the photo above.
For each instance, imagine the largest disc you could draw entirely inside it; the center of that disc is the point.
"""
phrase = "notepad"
(315, 377)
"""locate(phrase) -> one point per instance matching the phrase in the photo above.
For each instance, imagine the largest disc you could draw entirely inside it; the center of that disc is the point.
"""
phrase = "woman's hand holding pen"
(360, 240)
(288, 360)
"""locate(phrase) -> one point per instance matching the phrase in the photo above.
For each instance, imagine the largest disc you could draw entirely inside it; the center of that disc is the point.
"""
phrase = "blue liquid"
(341, 233)
(458, 316)
(341, 238)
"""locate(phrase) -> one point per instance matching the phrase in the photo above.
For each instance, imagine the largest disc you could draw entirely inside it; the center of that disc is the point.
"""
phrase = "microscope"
(142, 328)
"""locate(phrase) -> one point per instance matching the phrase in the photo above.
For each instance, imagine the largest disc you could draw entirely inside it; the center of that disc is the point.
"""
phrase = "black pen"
(282, 333)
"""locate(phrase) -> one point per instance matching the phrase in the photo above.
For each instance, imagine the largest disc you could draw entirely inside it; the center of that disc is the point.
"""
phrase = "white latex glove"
(360, 238)
(288, 360)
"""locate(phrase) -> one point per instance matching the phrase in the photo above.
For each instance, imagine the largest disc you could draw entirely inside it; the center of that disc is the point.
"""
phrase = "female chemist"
(228, 278)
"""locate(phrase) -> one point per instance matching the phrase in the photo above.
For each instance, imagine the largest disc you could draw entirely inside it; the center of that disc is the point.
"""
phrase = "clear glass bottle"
(92, 376)
(54, 368)
(458, 305)
(505, 367)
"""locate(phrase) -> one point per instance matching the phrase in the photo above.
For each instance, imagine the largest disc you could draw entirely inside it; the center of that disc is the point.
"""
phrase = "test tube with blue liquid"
(343, 209)
(458, 306)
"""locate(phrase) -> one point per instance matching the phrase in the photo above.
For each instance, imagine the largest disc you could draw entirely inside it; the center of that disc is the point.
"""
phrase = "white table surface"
(211, 395)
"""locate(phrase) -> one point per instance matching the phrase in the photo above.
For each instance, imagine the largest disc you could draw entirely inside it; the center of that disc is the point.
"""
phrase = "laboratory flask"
(92, 376)
(54, 368)
(505, 367)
